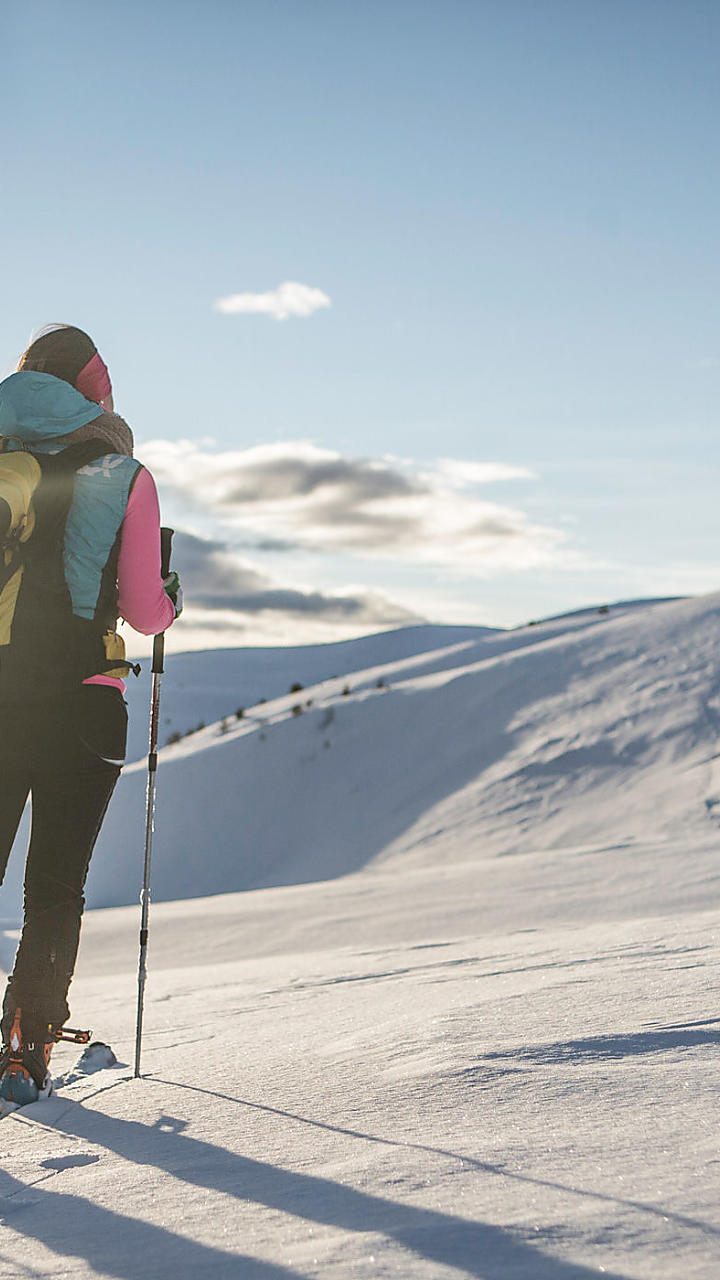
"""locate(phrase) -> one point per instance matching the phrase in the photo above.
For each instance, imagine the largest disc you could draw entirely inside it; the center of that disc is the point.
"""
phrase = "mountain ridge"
(568, 733)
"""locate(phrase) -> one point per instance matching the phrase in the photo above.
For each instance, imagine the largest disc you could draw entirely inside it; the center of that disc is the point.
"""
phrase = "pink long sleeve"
(142, 600)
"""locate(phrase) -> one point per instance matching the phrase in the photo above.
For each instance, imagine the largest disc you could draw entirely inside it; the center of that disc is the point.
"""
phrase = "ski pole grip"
(158, 662)
(166, 537)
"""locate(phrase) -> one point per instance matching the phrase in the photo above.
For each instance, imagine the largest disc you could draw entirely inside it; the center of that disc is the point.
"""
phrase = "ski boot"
(25, 1064)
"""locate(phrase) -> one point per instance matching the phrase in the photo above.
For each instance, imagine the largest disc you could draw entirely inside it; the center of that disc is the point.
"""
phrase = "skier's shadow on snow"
(480, 1249)
(469, 1161)
(116, 1243)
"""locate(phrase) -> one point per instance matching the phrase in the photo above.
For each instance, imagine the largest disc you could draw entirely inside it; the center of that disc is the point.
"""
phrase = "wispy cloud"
(465, 474)
(707, 362)
(226, 593)
(303, 496)
(289, 299)
(216, 577)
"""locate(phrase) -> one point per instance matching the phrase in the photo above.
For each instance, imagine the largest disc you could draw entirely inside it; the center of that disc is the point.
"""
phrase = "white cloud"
(218, 579)
(289, 299)
(463, 474)
(297, 496)
(229, 600)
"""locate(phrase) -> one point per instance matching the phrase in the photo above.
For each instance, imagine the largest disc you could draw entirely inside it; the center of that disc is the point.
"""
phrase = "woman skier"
(79, 546)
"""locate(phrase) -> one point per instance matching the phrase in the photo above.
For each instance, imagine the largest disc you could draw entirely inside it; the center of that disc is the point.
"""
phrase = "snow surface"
(462, 1022)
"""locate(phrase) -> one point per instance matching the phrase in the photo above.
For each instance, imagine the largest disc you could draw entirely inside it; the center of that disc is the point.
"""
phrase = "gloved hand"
(174, 590)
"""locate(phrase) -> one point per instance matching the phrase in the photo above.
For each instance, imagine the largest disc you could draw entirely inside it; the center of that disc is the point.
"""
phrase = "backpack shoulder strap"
(77, 456)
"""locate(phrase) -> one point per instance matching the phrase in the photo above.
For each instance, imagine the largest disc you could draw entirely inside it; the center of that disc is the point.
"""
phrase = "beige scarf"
(109, 428)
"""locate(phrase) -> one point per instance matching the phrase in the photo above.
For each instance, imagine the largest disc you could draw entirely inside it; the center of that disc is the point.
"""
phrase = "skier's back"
(94, 554)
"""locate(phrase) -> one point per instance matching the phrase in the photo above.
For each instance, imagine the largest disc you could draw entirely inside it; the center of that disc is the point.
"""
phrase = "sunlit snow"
(433, 958)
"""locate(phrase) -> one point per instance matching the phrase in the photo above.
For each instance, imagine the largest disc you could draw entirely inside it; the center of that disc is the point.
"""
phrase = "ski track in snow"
(456, 1057)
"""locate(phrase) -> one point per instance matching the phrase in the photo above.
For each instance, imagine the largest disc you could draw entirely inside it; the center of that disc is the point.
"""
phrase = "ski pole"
(157, 671)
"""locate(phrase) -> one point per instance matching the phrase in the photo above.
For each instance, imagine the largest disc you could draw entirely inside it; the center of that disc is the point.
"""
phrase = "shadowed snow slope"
(582, 730)
(207, 686)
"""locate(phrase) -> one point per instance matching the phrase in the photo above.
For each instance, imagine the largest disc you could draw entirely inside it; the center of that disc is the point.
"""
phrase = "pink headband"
(93, 380)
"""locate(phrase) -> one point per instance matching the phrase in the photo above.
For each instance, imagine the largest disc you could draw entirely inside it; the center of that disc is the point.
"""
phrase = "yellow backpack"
(36, 490)
(20, 475)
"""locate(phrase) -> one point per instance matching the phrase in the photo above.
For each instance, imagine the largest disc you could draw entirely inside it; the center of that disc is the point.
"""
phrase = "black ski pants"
(66, 754)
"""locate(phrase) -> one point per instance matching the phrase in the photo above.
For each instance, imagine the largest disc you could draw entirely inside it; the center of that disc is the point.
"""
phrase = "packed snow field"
(450, 1009)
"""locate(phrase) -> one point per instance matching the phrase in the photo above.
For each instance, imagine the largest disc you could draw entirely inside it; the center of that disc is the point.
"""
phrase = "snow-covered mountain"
(582, 730)
(204, 687)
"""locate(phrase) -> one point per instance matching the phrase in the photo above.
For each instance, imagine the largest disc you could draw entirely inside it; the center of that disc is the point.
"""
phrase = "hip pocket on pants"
(101, 721)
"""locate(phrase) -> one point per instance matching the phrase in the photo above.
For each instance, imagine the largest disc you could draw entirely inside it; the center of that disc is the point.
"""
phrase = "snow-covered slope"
(580, 731)
(207, 686)
(394, 1074)
(584, 729)
(447, 1063)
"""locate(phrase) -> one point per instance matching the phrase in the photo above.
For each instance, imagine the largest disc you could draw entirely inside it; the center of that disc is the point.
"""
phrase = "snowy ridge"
(205, 687)
(581, 731)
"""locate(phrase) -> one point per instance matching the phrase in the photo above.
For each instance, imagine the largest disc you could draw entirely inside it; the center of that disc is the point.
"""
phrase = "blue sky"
(511, 206)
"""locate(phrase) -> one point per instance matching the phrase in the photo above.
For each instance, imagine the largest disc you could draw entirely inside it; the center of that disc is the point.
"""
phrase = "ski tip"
(96, 1057)
(98, 1048)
